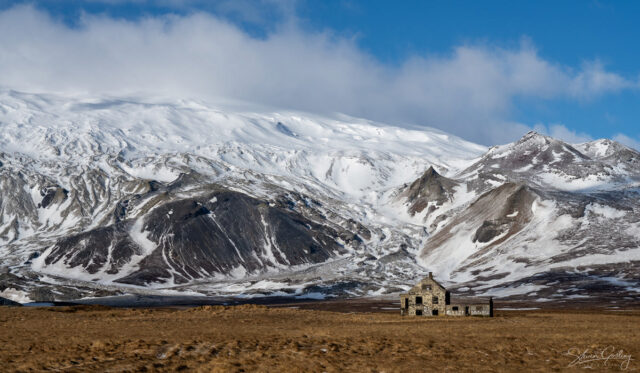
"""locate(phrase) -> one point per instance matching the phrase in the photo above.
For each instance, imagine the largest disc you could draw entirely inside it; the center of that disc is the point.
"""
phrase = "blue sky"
(567, 32)
(487, 71)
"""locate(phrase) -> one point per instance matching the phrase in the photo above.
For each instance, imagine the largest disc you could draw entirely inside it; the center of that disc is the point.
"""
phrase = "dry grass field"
(257, 338)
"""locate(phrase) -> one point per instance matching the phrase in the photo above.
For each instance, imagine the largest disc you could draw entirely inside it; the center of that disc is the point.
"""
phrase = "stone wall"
(429, 298)
(480, 310)
(424, 298)
(455, 310)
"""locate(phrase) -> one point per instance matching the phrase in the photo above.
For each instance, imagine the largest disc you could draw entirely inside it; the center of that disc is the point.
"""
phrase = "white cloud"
(594, 80)
(628, 141)
(560, 131)
(468, 92)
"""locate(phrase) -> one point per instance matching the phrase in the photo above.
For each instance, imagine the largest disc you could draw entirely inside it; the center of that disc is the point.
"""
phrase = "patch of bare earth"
(256, 338)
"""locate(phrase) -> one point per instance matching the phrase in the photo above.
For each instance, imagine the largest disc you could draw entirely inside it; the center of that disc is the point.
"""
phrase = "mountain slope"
(544, 210)
(101, 193)
(100, 196)
(183, 240)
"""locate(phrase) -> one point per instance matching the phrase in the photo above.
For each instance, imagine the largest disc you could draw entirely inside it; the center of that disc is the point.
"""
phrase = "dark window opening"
(406, 303)
(426, 287)
(455, 308)
(418, 300)
(418, 312)
(434, 312)
(435, 300)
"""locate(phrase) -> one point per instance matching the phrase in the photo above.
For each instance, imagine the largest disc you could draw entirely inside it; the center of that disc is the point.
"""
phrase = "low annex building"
(429, 298)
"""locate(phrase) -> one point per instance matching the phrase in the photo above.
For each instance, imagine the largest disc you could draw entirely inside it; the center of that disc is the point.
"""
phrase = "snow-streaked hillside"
(103, 195)
(545, 219)
(72, 165)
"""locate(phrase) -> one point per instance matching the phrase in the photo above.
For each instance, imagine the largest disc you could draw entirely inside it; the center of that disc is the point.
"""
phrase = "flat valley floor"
(313, 338)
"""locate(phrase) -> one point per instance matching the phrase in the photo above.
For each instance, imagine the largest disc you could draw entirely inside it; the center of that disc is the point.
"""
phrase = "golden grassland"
(258, 338)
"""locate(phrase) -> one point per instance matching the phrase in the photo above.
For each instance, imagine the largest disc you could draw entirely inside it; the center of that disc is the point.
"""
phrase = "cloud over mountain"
(469, 91)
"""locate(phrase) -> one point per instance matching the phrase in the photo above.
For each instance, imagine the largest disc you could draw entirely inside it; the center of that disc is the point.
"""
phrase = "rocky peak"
(431, 172)
(431, 187)
(536, 137)
(604, 148)
(532, 151)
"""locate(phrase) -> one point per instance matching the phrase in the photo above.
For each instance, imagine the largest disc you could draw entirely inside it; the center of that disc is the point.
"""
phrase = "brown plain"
(257, 338)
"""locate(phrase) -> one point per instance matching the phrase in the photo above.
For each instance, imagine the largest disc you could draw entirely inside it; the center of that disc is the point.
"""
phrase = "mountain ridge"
(109, 196)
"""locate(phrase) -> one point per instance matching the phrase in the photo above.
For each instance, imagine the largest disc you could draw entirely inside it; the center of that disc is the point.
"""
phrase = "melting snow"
(16, 295)
(605, 212)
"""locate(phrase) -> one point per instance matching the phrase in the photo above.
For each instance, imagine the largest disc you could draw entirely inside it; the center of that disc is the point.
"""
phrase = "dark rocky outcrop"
(53, 195)
(489, 230)
(430, 187)
(198, 237)
(92, 249)
(42, 294)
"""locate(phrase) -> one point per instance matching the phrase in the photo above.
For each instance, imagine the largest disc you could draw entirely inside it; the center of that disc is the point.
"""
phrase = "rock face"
(513, 203)
(92, 203)
(52, 195)
(198, 238)
(430, 191)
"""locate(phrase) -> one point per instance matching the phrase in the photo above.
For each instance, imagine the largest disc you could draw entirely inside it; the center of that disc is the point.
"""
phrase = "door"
(466, 310)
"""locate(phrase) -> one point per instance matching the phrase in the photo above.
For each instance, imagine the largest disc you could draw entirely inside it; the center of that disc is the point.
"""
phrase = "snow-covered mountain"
(539, 217)
(103, 195)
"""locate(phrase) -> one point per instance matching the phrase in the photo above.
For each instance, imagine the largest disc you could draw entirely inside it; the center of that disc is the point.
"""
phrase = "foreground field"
(257, 338)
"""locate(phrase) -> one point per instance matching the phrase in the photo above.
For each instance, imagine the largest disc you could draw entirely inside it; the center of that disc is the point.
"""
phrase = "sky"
(486, 71)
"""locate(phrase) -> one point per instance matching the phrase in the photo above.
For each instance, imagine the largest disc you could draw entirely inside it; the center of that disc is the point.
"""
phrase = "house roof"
(435, 282)
(417, 288)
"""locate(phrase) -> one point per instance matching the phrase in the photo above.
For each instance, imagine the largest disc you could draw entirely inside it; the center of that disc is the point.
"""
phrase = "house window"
(478, 308)
(434, 312)
(418, 300)
(406, 303)
(418, 312)
(435, 300)
(454, 308)
(426, 287)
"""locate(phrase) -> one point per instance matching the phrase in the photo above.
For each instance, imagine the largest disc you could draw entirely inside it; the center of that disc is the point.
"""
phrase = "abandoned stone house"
(429, 298)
